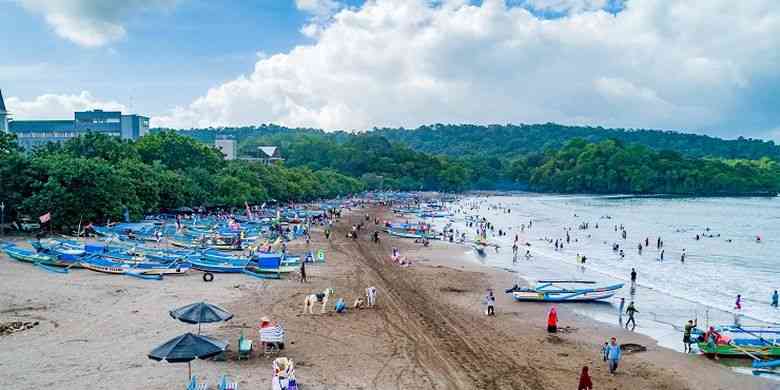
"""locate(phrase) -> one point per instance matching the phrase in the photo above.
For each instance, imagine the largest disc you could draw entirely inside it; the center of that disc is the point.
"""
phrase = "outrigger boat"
(563, 291)
(143, 270)
(218, 265)
(744, 342)
(32, 257)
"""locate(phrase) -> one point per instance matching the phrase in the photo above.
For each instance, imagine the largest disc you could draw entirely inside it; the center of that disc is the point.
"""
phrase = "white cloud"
(88, 22)
(319, 8)
(664, 63)
(52, 106)
(566, 5)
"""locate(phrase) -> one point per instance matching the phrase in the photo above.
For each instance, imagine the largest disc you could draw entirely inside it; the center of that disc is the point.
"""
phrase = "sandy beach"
(427, 331)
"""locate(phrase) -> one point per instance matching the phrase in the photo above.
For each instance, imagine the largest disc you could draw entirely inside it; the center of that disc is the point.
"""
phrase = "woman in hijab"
(585, 383)
(552, 320)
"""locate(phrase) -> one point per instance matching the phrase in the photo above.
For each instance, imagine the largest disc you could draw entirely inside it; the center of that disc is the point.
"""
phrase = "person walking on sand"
(613, 355)
(585, 382)
(775, 298)
(631, 310)
(303, 272)
(552, 320)
(490, 301)
(738, 303)
(633, 275)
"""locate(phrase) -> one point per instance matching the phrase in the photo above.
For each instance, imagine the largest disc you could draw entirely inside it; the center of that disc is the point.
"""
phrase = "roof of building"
(270, 151)
(2, 103)
(40, 126)
(96, 114)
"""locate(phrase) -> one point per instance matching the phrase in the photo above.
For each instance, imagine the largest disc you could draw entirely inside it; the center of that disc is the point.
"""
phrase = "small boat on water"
(563, 291)
(743, 342)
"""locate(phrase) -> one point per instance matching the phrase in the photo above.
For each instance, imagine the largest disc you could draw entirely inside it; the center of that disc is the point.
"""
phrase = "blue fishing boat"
(753, 342)
(267, 268)
(563, 291)
(218, 265)
(151, 270)
(33, 257)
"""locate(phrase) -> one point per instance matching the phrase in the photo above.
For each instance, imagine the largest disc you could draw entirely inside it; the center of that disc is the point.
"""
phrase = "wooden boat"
(175, 268)
(417, 234)
(218, 266)
(745, 342)
(184, 244)
(58, 248)
(563, 291)
(261, 273)
(32, 257)
(151, 270)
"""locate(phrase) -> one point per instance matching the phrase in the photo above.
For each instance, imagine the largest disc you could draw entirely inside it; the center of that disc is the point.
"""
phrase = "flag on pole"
(45, 217)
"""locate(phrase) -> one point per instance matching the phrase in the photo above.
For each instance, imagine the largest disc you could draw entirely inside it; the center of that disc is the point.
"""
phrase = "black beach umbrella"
(186, 348)
(200, 313)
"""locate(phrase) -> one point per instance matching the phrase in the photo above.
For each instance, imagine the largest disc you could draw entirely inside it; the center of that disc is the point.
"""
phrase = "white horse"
(371, 296)
(310, 300)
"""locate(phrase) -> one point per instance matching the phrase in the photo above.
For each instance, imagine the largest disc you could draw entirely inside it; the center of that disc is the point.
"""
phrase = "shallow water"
(668, 292)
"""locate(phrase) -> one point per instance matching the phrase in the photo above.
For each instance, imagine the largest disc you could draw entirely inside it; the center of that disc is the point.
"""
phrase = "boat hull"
(533, 296)
(552, 291)
(741, 351)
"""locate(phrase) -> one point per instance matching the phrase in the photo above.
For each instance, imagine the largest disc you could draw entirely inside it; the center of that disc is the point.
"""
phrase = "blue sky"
(337, 64)
(169, 57)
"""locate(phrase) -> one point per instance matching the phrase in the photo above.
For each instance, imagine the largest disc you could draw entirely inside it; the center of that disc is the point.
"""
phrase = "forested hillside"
(514, 140)
(509, 141)
(578, 165)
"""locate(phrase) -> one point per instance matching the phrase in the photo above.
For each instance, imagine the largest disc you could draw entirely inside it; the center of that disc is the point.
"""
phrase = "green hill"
(515, 140)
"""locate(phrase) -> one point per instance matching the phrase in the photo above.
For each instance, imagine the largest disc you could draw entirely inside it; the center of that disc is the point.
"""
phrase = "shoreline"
(767, 194)
(427, 331)
(589, 329)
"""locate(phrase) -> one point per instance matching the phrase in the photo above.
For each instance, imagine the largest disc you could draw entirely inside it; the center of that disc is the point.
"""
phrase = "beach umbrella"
(186, 348)
(200, 313)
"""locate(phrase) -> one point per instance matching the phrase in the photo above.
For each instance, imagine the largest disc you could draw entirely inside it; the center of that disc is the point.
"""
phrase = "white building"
(3, 115)
(227, 147)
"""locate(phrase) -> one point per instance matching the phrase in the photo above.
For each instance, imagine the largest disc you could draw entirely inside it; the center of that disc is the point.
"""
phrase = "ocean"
(725, 261)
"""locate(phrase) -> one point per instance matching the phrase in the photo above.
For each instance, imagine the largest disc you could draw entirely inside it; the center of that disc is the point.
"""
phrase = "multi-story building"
(227, 146)
(3, 115)
(33, 133)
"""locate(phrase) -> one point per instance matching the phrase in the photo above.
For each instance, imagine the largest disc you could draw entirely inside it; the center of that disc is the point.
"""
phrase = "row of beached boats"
(152, 263)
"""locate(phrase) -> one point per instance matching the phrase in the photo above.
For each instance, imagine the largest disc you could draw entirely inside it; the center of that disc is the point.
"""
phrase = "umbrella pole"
(189, 371)
(198, 328)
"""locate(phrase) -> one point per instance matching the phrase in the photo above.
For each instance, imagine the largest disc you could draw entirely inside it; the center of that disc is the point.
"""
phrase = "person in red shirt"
(585, 383)
(552, 320)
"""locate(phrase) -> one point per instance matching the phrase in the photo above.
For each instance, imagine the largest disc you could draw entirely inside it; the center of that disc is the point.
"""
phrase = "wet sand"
(427, 332)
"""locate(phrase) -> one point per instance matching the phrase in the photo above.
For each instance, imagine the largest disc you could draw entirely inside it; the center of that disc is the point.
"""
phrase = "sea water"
(726, 260)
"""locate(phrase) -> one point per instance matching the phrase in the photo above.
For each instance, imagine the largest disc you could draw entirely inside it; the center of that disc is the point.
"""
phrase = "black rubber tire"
(208, 276)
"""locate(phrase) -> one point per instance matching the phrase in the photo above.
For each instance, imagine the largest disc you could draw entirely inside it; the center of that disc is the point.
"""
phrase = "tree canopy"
(95, 178)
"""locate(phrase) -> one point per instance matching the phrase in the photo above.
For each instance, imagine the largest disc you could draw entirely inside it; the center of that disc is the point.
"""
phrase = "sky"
(704, 66)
